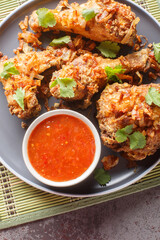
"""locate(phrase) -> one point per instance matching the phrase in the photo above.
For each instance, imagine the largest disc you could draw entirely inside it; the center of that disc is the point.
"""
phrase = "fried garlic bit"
(60, 105)
(24, 125)
(110, 161)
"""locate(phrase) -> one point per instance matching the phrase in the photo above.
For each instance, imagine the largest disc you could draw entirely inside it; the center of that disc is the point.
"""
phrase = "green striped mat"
(21, 203)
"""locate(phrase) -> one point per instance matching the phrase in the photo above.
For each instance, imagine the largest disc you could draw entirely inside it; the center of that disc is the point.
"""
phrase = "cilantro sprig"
(101, 176)
(109, 49)
(19, 97)
(137, 139)
(88, 14)
(66, 86)
(153, 96)
(46, 18)
(112, 73)
(122, 134)
(156, 47)
(8, 70)
(60, 41)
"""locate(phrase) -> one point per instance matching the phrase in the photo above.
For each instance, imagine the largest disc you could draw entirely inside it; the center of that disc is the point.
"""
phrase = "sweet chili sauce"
(61, 148)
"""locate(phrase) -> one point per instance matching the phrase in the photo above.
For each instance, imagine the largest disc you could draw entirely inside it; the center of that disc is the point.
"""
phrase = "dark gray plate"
(11, 133)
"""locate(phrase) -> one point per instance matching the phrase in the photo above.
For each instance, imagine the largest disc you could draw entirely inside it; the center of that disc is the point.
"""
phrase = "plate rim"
(81, 195)
(45, 189)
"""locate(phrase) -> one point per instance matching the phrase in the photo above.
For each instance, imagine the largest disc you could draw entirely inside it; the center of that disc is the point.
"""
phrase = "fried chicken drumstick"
(85, 68)
(122, 105)
(88, 71)
(30, 66)
(113, 21)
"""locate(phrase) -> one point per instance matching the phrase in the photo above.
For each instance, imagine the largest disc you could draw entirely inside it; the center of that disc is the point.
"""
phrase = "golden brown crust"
(88, 71)
(85, 68)
(121, 105)
(114, 21)
(30, 66)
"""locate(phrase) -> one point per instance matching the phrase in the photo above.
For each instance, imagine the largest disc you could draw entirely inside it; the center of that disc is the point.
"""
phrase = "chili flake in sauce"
(61, 148)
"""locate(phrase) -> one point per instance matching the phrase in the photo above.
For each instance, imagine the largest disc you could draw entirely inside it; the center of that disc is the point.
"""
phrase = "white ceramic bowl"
(86, 173)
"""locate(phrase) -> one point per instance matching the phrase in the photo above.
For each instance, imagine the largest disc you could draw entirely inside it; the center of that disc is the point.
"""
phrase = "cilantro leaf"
(122, 134)
(153, 96)
(5, 75)
(88, 14)
(109, 49)
(46, 18)
(101, 176)
(8, 70)
(60, 41)
(111, 73)
(54, 83)
(19, 97)
(66, 86)
(137, 140)
(148, 97)
(128, 129)
(156, 47)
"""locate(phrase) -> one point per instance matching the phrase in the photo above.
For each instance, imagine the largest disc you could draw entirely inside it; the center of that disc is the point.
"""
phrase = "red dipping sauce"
(61, 148)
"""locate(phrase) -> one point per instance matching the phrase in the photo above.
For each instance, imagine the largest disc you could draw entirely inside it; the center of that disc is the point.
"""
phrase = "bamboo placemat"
(22, 203)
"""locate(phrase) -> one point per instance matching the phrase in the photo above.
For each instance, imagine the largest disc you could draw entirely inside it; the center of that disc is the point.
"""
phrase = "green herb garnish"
(109, 49)
(66, 86)
(101, 176)
(8, 70)
(60, 41)
(122, 134)
(19, 97)
(112, 73)
(153, 96)
(88, 14)
(137, 139)
(156, 47)
(46, 18)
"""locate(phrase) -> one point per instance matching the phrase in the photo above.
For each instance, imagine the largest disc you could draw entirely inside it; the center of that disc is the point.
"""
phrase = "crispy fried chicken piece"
(30, 66)
(121, 105)
(114, 21)
(88, 72)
